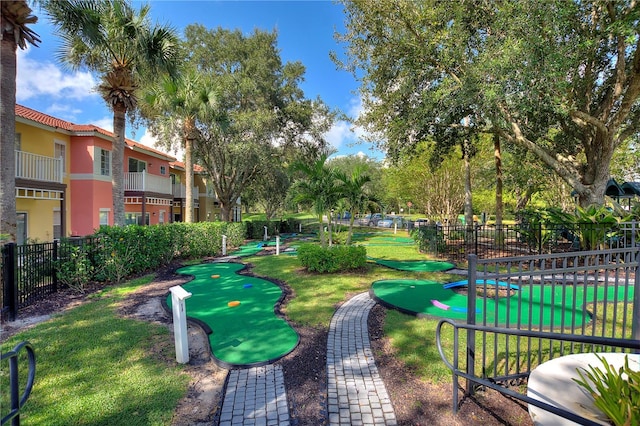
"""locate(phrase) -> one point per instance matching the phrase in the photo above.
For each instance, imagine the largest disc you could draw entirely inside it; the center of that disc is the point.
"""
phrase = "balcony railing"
(143, 181)
(38, 167)
(180, 191)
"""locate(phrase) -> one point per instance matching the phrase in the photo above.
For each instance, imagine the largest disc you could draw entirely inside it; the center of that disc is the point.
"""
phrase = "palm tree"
(173, 108)
(355, 195)
(112, 39)
(16, 15)
(318, 188)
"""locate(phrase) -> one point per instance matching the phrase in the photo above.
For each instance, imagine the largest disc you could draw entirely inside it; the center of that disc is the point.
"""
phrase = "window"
(18, 141)
(136, 165)
(161, 218)
(105, 162)
(21, 228)
(163, 170)
(60, 151)
(104, 217)
(57, 224)
(175, 179)
(135, 219)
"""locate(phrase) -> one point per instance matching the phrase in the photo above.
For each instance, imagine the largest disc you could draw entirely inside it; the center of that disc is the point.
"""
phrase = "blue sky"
(305, 33)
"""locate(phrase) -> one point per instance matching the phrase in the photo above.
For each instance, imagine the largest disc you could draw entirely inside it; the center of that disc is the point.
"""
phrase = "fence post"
(55, 265)
(471, 319)
(9, 263)
(635, 320)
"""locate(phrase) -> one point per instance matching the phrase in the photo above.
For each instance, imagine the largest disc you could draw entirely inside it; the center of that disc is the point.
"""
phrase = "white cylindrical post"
(266, 237)
(395, 228)
(178, 297)
(300, 227)
(277, 245)
(224, 245)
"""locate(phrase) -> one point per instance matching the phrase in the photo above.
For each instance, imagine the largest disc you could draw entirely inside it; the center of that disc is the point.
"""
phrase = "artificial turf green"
(248, 334)
(416, 265)
(546, 302)
(247, 250)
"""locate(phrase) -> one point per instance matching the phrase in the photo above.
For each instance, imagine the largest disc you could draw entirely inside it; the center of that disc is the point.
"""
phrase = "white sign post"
(224, 245)
(277, 245)
(178, 297)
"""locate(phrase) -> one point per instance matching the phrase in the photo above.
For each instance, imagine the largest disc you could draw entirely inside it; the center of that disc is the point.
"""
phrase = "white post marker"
(266, 237)
(395, 228)
(300, 227)
(178, 296)
(277, 245)
(224, 245)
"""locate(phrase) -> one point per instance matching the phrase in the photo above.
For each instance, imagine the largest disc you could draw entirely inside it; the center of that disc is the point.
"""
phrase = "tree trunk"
(468, 202)
(497, 154)
(188, 167)
(117, 164)
(8, 142)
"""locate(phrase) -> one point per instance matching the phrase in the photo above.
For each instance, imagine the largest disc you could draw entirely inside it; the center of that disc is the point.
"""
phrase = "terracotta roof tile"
(42, 118)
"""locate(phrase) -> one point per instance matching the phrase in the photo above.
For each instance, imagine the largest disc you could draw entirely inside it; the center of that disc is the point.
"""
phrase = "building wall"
(88, 186)
(40, 213)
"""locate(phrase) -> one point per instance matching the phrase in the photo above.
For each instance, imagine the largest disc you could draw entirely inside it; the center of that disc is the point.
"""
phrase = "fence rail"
(29, 272)
(523, 311)
(456, 242)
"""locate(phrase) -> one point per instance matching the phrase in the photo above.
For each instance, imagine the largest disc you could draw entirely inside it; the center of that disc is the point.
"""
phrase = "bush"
(615, 392)
(331, 259)
(430, 239)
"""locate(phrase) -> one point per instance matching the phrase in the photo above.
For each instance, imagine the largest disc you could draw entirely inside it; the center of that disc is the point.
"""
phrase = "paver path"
(255, 396)
(356, 393)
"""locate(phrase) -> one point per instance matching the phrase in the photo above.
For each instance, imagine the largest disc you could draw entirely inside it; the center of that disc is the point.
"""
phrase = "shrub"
(75, 270)
(430, 239)
(331, 259)
(615, 393)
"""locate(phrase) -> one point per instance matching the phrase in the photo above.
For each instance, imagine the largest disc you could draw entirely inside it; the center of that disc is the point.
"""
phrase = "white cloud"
(36, 79)
(105, 123)
(344, 133)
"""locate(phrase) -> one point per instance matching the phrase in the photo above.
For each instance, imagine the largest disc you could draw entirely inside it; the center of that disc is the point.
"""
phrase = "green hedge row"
(114, 253)
(332, 259)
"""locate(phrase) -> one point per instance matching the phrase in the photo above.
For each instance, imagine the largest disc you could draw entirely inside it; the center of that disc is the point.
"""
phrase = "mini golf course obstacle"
(239, 311)
(480, 282)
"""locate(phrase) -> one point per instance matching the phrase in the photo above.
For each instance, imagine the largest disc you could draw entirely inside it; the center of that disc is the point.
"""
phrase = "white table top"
(551, 382)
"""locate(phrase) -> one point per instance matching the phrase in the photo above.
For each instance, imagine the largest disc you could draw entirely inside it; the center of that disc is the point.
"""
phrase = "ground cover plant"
(96, 368)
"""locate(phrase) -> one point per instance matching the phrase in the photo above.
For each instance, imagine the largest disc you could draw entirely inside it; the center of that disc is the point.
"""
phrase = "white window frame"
(63, 144)
(101, 216)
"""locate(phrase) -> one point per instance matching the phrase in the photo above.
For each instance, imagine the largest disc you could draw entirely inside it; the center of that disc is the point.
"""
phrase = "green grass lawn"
(97, 368)
(94, 367)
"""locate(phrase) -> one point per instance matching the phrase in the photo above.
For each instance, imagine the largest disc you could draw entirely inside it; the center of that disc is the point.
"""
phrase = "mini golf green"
(416, 265)
(430, 298)
(248, 334)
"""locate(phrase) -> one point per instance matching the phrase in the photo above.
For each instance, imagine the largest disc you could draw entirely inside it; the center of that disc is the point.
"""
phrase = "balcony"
(145, 182)
(180, 191)
(38, 167)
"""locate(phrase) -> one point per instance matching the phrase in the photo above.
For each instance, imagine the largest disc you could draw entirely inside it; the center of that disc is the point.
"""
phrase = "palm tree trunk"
(188, 165)
(117, 155)
(8, 131)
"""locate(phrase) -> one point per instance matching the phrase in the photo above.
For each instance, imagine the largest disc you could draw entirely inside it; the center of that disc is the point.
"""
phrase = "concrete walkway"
(356, 393)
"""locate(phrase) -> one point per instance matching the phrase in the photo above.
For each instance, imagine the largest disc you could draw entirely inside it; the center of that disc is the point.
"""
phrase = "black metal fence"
(29, 272)
(525, 310)
(456, 242)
